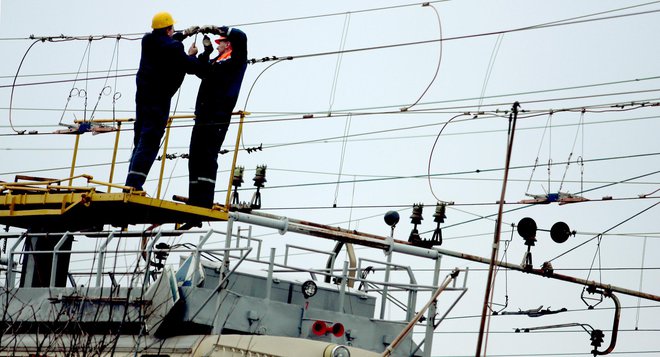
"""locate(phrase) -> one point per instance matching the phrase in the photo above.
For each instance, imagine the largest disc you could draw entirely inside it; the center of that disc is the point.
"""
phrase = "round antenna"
(527, 228)
(391, 218)
(559, 232)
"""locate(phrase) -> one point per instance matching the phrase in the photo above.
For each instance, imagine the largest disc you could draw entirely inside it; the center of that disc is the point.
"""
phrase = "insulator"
(237, 179)
(439, 215)
(162, 254)
(260, 176)
(416, 217)
(597, 338)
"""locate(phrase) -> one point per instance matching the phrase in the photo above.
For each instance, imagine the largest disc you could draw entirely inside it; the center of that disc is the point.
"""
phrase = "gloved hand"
(208, 48)
(178, 36)
(192, 51)
(191, 31)
(210, 29)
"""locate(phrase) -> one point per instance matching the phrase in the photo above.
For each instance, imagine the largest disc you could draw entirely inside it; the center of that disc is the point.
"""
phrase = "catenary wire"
(463, 37)
(11, 97)
(437, 68)
(538, 26)
(384, 138)
(612, 106)
(403, 177)
(637, 214)
(289, 19)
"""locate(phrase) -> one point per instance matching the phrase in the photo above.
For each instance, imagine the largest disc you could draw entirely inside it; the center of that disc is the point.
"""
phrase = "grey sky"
(585, 62)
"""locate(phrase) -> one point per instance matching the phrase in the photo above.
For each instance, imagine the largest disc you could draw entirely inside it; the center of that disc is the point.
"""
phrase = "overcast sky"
(554, 57)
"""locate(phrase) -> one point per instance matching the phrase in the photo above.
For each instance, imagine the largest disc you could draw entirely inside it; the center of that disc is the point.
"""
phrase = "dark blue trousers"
(150, 121)
(205, 142)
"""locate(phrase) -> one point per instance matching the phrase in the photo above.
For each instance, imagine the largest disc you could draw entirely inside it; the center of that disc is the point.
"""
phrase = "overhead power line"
(526, 114)
(564, 22)
(456, 173)
(288, 19)
(56, 74)
(332, 14)
(462, 37)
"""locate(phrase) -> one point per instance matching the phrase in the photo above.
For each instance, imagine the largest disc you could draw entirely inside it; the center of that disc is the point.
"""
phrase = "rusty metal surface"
(371, 240)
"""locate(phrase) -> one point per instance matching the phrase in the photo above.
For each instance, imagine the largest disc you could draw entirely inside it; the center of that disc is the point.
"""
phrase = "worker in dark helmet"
(221, 77)
(163, 64)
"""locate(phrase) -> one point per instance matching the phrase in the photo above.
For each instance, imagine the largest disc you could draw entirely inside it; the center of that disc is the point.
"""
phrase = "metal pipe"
(615, 325)
(416, 251)
(412, 302)
(114, 156)
(318, 225)
(350, 251)
(407, 268)
(238, 237)
(53, 265)
(269, 279)
(413, 321)
(222, 281)
(249, 238)
(150, 249)
(10, 258)
(543, 273)
(101, 258)
(113, 120)
(406, 248)
(330, 264)
(280, 224)
(342, 287)
(286, 253)
(438, 321)
(73, 160)
(498, 225)
(428, 336)
(230, 228)
(383, 300)
(164, 155)
(95, 251)
(233, 162)
(196, 258)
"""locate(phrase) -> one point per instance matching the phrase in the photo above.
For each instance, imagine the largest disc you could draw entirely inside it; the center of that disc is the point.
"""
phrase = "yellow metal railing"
(53, 185)
(119, 122)
(235, 158)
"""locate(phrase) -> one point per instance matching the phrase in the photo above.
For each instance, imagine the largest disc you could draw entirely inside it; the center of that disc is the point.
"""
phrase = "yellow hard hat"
(162, 20)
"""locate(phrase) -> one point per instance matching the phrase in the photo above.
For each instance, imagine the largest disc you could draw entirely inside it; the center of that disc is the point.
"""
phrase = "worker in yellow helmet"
(163, 64)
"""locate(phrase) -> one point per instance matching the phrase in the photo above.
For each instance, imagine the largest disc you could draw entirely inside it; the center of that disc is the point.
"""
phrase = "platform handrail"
(332, 255)
(168, 126)
(101, 258)
(10, 258)
(56, 251)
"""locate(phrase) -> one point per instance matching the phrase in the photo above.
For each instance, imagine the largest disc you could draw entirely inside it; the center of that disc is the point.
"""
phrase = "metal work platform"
(47, 205)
